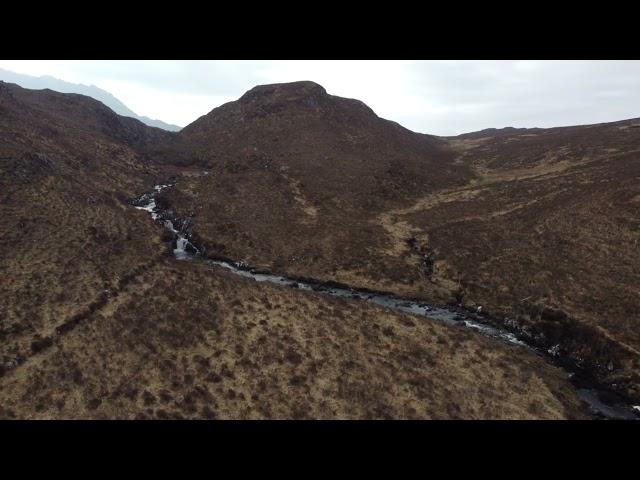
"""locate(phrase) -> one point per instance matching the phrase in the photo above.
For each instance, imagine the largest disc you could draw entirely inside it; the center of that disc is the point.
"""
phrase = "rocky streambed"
(601, 401)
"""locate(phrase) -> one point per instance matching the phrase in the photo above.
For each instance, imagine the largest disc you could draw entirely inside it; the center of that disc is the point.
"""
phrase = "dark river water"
(601, 402)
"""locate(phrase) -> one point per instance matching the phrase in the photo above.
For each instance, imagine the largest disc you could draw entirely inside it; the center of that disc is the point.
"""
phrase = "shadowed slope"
(68, 236)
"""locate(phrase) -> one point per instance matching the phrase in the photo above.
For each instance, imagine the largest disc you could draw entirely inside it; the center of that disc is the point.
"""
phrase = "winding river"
(602, 402)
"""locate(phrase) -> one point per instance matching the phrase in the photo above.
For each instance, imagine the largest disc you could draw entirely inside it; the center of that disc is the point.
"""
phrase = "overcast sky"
(437, 97)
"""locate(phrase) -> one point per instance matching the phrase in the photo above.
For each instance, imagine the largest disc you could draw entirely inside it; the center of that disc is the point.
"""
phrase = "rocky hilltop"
(298, 179)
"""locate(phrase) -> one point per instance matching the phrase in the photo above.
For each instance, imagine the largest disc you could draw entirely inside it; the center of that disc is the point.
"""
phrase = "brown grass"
(226, 347)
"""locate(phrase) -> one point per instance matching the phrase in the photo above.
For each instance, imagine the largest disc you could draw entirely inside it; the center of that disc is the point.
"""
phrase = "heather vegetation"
(99, 320)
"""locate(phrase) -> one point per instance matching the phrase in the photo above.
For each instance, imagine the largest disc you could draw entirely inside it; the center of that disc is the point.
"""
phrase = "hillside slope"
(51, 83)
(547, 237)
(67, 170)
(98, 320)
(539, 226)
(298, 178)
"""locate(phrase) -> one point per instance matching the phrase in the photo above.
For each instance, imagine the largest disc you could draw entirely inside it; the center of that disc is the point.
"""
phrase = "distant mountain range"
(39, 83)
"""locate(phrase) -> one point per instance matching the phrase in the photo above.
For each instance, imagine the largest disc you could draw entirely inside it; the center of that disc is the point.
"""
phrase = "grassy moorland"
(538, 226)
(183, 340)
(97, 320)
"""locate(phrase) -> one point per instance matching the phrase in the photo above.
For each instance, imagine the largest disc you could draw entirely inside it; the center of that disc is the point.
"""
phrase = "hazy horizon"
(435, 97)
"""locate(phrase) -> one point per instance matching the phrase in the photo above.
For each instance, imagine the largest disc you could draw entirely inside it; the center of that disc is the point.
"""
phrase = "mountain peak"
(303, 93)
(285, 91)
